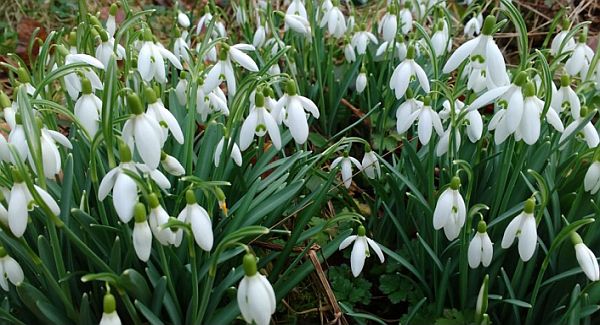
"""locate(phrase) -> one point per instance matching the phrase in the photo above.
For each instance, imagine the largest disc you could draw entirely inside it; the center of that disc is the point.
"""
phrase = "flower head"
(346, 162)
(450, 211)
(522, 227)
(142, 235)
(480, 249)
(151, 64)
(360, 250)
(255, 295)
(403, 73)
(9, 269)
(586, 258)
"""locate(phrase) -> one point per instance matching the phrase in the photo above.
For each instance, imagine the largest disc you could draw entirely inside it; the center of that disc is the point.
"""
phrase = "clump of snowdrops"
(159, 181)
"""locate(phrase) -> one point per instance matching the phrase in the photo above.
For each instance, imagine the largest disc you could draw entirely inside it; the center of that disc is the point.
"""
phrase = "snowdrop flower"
(560, 38)
(199, 220)
(586, 258)
(529, 126)
(9, 269)
(109, 314)
(297, 8)
(255, 295)
(370, 163)
(429, 120)
(124, 188)
(17, 138)
(204, 22)
(522, 227)
(144, 133)
(349, 53)
(388, 25)
(294, 107)
(591, 182)
(151, 64)
(404, 72)
(142, 235)
(360, 250)
(335, 21)
(440, 39)
(171, 165)
(450, 211)
(482, 47)
(258, 123)
(236, 154)
(260, 36)
(166, 120)
(473, 26)
(346, 162)
(473, 119)
(404, 113)
(21, 201)
(88, 109)
(183, 19)
(157, 218)
(72, 80)
(180, 47)
(181, 88)
(406, 19)
(480, 249)
(51, 160)
(214, 101)
(104, 51)
(361, 81)
(398, 47)
(360, 41)
(589, 132)
(581, 58)
(111, 21)
(298, 24)
(8, 110)
(444, 144)
(481, 304)
(565, 97)
(25, 81)
(225, 68)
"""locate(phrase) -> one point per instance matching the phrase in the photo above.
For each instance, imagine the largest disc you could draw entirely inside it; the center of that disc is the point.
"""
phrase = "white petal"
(201, 227)
(461, 54)
(358, 256)
(474, 251)
(17, 209)
(527, 238)
(377, 249)
(142, 240)
(346, 242)
(243, 59)
(124, 197)
(147, 141)
(511, 231)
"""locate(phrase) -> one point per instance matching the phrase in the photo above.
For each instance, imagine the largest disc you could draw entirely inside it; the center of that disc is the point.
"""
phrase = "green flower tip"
(139, 212)
(481, 227)
(110, 304)
(409, 94)
(183, 75)
(124, 152)
(190, 197)
(62, 50)
(267, 91)
(4, 100)
(148, 35)
(439, 26)
(153, 201)
(219, 194)
(427, 100)
(290, 87)
(367, 147)
(410, 52)
(488, 25)
(259, 99)
(16, 175)
(135, 104)
(249, 264)
(3, 252)
(18, 119)
(529, 89)
(86, 86)
(150, 95)
(520, 79)
(223, 53)
(565, 24)
(23, 75)
(94, 20)
(583, 112)
(583, 36)
(362, 231)
(529, 206)
(565, 80)
(103, 36)
(163, 156)
(73, 38)
(113, 9)
(575, 238)
(455, 183)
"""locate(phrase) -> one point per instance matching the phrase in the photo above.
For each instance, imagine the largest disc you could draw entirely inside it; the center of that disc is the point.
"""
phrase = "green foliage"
(347, 288)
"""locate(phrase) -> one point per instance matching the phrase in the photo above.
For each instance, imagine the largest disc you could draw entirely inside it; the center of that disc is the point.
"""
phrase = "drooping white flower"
(296, 7)
(8, 110)
(294, 107)
(181, 47)
(212, 102)
(9, 269)
(142, 235)
(255, 295)
(524, 228)
(361, 82)
(224, 66)
(143, 132)
(88, 109)
(51, 160)
(480, 249)
(398, 48)
(440, 39)
(370, 163)
(298, 24)
(473, 26)
(151, 60)
(349, 53)
(530, 124)
(157, 218)
(335, 21)
(259, 122)
(199, 220)
(565, 97)
(484, 49)
(171, 165)
(585, 257)
(581, 58)
(260, 36)
(183, 19)
(360, 41)
(109, 314)
(559, 39)
(443, 144)
(360, 250)
(111, 21)
(450, 211)
(589, 132)
(21, 200)
(388, 25)
(166, 120)
(181, 88)
(473, 119)
(404, 113)
(204, 22)
(346, 162)
(124, 188)
(72, 80)
(591, 181)
(404, 72)
(236, 154)
(428, 120)
(106, 49)
(406, 19)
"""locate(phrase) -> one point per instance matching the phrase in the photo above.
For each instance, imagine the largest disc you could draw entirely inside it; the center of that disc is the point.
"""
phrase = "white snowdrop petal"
(358, 256)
